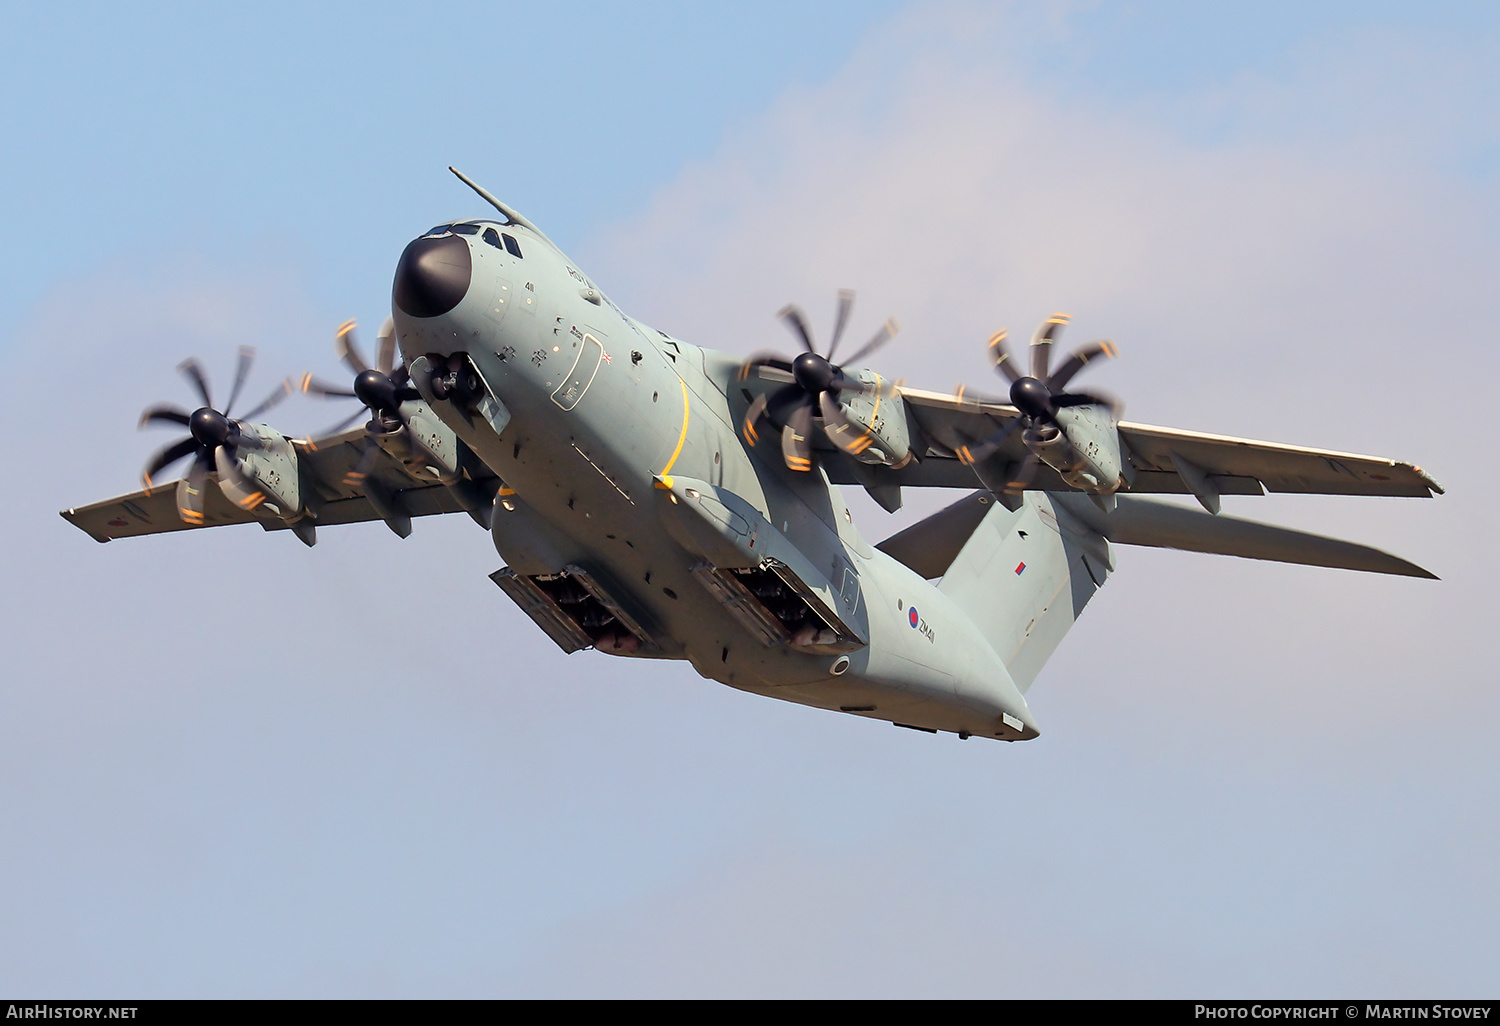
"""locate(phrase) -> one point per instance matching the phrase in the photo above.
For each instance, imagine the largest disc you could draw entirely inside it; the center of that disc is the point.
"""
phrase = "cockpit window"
(512, 245)
(493, 238)
(439, 230)
(464, 229)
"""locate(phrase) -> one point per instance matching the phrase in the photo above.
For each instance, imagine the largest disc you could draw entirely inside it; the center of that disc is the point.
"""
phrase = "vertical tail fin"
(1024, 576)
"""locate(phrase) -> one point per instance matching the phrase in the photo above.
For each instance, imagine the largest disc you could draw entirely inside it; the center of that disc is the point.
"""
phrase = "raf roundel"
(912, 616)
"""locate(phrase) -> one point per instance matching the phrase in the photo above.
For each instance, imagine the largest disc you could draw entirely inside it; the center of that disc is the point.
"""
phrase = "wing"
(1158, 458)
(1279, 468)
(324, 464)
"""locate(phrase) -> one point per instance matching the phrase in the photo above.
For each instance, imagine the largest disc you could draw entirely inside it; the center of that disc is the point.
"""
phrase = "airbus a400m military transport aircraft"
(655, 500)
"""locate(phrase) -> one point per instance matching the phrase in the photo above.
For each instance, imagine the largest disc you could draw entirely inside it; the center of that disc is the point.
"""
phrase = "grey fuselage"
(604, 426)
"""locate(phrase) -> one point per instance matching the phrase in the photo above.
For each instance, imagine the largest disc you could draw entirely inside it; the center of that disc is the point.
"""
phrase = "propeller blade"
(753, 418)
(1094, 398)
(1000, 356)
(343, 425)
(797, 321)
(767, 366)
(1021, 480)
(887, 332)
(795, 448)
(189, 369)
(190, 491)
(282, 391)
(1041, 343)
(969, 455)
(355, 478)
(166, 457)
(1078, 360)
(385, 341)
(348, 351)
(841, 431)
(247, 357)
(238, 488)
(164, 414)
(844, 383)
(846, 303)
(317, 386)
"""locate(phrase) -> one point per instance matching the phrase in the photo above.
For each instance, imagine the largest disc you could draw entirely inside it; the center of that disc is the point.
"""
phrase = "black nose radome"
(433, 276)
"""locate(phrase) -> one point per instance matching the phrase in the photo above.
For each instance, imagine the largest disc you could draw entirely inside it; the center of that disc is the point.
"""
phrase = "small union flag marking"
(1020, 567)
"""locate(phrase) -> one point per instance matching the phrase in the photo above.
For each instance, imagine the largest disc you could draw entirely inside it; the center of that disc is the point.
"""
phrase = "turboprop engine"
(860, 411)
(1074, 433)
(255, 466)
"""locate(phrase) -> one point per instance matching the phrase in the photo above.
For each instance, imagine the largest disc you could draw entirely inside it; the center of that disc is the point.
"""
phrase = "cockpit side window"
(512, 245)
(493, 238)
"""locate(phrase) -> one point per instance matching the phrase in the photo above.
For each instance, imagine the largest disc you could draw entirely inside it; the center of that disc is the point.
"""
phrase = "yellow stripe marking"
(666, 480)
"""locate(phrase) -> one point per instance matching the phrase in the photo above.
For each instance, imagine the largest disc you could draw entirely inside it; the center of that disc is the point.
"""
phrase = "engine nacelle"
(880, 435)
(1085, 452)
(272, 468)
(427, 446)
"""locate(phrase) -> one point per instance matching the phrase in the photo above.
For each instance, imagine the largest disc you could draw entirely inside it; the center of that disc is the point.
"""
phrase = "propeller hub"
(1032, 397)
(813, 373)
(211, 428)
(376, 390)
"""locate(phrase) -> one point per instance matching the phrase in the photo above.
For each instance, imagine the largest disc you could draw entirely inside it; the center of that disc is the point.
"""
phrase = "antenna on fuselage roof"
(514, 217)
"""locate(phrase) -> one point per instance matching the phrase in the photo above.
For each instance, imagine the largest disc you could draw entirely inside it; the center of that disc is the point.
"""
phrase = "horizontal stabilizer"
(929, 547)
(1158, 524)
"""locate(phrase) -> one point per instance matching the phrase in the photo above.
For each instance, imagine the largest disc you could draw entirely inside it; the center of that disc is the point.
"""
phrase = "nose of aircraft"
(433, 276)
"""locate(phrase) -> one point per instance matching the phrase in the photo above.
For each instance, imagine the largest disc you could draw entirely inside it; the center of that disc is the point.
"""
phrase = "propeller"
(380, 389)
(214, 438)
(1039, 394)
(813, 383)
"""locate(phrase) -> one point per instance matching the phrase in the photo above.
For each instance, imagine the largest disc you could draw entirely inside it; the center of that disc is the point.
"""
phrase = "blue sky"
(230, 766)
